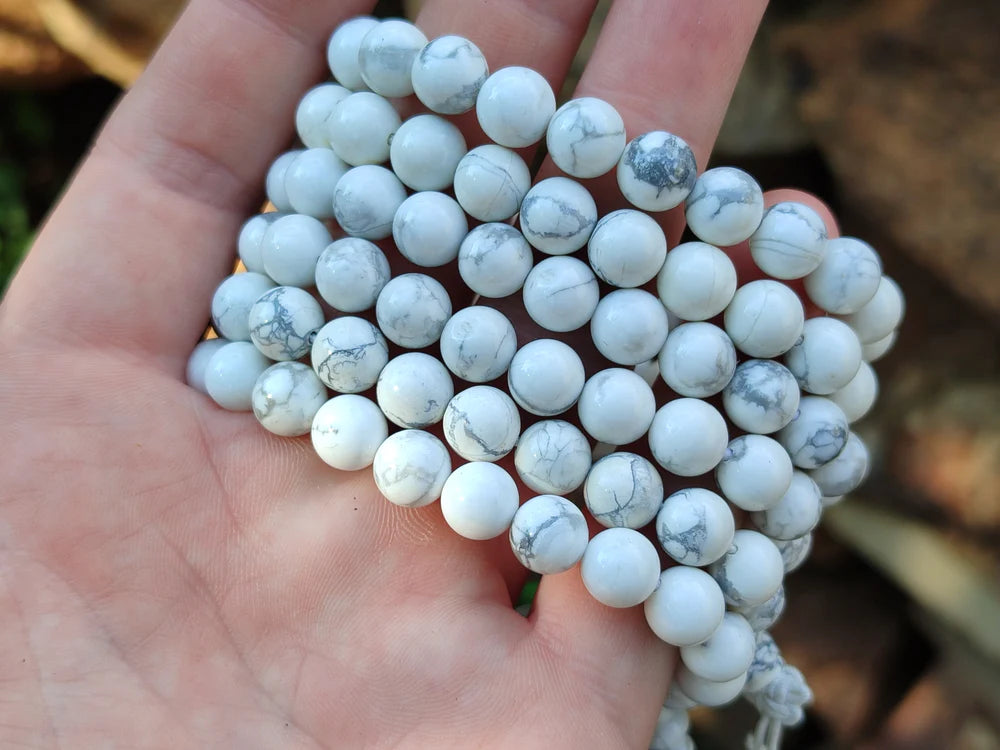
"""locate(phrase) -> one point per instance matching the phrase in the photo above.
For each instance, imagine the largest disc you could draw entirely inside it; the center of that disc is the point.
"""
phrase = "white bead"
(546, 377)
(314, 112)
(762, 616)
(688, 437)
(411, 467)
(429, 228)
(831, 500)
(310, 181)
(627, 248)
(414, 389)
(448, 73)
(695, 526)
(232, 301)
(494, 260)
(342, 51)
(360, 128)
(481, 423)
(366, 200)
(291, 247)
(490, 182)
(725, 206)
(623, 489)
(478, 343)
(386, 57)
(751, 572)
(629, 326)
(561, 294)
(548, 534)
(709, 692)
(231, 373)
(648, 371)
(250, 239)
(816, 435)
(677, 701)
(697, 360)
(347, 430)
(858, 396)
(846, 472)
(286, 397)
(874, 351)
(620, 568)
(762, 397)
(795, 514)
(479, 500)
(847, 278)
(827, 356)
(283, 321)
(790, 241)
(585, 137)
(881, 315)
(274, 184)
(616, 406)
(552, 457)
(350, 274)
(197, 364)
(794, 551)
(697, 281)
(412, 310)
(657, 171)
(686, 607)
(765, 318)
(425, 151)
(348, 354)
(558, 215)
(755, 472)
(514, 107)
(727, 654)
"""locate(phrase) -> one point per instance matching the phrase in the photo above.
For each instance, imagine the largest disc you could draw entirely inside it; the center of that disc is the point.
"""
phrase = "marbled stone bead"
(360, 127)
(881, 315)
(585, 137)
(342, 51)
(351, 273)
(762, 616)
(725, 206)
(283, 322)
(313, 113)
(874, 351)
(561, 294)
(727, 653)
(197, 364)
(494, 260)
(546, 377)
(627, 248)
(846, 472)
(412, 310)
(250, 238)
(686, 607)
(790, 241)
(755, 472)
(428, 228)
(448, 74)
(697, 281)
(348, 354)
(347, 430)
(514, 106)
(231, 374)
(479, 500)
(629, 326)
(697, 360)
(478, 343)
(482, 423)
(765, 318)
(708, 692)
(762, 397)
(552, 457)
(695, 526)
(490, 182)
(548, 534)
(616, 406)
(623, 489)
(816, 435)
(794, 552)
(286, 397)
(290, 248)
(847, 278)
(310, 181)
(386, 55)
(425, 152)
(688, 437)
(414, 389)
(751, 571)
(274, 184)
(620, 568)
(826, 358)
(795, 514)
(657, 171)
(365, 201)
(858, 396)
(558, 215)
(411, 467)
(232, 301)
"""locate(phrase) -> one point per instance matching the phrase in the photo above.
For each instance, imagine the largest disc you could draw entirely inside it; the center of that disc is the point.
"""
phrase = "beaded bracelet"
(290, 329)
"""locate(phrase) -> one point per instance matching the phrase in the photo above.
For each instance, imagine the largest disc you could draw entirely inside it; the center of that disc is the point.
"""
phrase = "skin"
(171, 575)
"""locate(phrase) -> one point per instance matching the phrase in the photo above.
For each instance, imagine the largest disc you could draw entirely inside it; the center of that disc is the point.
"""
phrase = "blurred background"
(890, 111)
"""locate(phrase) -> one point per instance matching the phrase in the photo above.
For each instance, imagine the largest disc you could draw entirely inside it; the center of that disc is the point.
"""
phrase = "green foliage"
(15, 228)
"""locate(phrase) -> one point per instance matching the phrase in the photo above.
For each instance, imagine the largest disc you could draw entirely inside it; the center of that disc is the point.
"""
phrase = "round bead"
(688, 437)
(648, 371)
(727, 654)
(478, 343)
(411, 467)
(627, 248)
(794, 551)
(274, 185)
(709, 692)
(827, 356)
(697, 360)
(197, 364)
(616, 406)
(585, 137)
(795, 514)
(552, 457)
(755, 472)
(448, 73)
(286, 397)
(657, 171)
(623, 489)
(561, 294)
(350, 274)
(360, 128)
(686, 607)
(874, 351)
(858, 396)
(386, 57)
(342, 51)
(348, 354)
(310, 181)
(490, 182)
(846, 472)
(790, 241)
(231, 374)
(629, 326)
(763, 616)
(620, 568)
(366, 200)
(232, 301)
(250, 239)
(558, 216)
(695, 526)
(762, 397)
(425, 151)
(481, 423)
(313, 113)
(412, 310)
(429, 228)
(847, 278)
(816, 435)
(494, 260)
(283, 322)
(546, 377)
(346, 432)
(479, 500)
(752, 570)
(725, 206)
(514, 107)
(765, 318)
(548, 534)
(414, 389)
(881, 315)
(697, 281)
(290, 248)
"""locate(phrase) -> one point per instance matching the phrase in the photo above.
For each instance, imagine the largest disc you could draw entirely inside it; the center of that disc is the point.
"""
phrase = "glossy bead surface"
(313, 113)
(310, 182)
(623, 489)
(478, 343)
(347, 430)
(657, 171)
(412, 310)
(751, 571)
(274, 184)
(479, 500)
(514, 107)
(881, 315)
(286, 397)
(627, 248)
(425, 152)
(548, 534)
(762, 397)
(290, 248)
(765, 318)
(561, 294)
(727, 653)
(725, 206)
(846, 472)
(490, 182)
(351, 273)
(585, 137)
(686, 607)
(754, 473)
(232, 301)
(411, 467)
(250, 238)
(847, 278)
(762, 616)
(826, 358)
(688, 437)
(697, 360)
(197, 364)
(616, 406)
(558, 215)
(360, 128)
(348, 354)
(448, 73)
(858, 396)
(795, 514)
(546, 377)
(697, 281)
(283, 321)
(874, 351)
(413, 390)
(386, 55)
(365, 201)
(620, 568)
(709, 692)
(790, 241)
(494, 260)
(428, 228)
(342, 51)
(695, 526)
(816, 435)
(629, 326)
(552, 457)
(481, 423)
(794, 552)
(231, 374)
